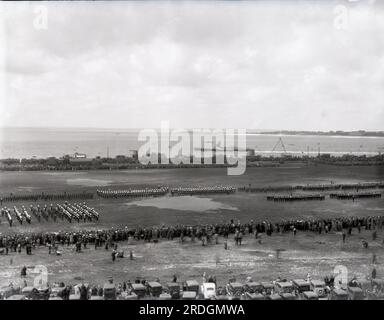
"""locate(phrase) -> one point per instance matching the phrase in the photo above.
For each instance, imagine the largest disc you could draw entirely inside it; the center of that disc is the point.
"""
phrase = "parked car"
(319, 287)
(191, 285)
(285, 289)
(274, 296)
(155, 288)
(235, 290)
(338, 294)
(301, 286)
(208, 290)
(254, 296)
(355, 293)
(139, 290)
(56, 292)
(173, 289)
(109, 291)
(75, 293)
(32, 293)
(6, 292)
(267, 288)
(309, 295)
(253, 287)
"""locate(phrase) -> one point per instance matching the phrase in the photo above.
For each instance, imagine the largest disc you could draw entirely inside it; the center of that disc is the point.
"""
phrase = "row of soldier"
(145, 192)
(317, 187)
(202, 190)
(355, 195)
(295, 197)
(68, 211)
(207, 232)
(46, 197)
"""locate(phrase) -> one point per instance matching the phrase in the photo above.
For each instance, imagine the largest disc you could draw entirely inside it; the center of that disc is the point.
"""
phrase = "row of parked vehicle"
(298, 289)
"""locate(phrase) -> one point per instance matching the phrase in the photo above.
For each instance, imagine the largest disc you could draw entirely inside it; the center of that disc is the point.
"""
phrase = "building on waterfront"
(133, 154)
(79, 155)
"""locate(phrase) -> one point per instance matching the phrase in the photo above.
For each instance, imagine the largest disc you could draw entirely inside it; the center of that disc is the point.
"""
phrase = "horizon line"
(140, 128)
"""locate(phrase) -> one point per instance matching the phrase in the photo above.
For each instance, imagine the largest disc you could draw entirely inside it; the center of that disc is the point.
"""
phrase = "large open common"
(307, 252)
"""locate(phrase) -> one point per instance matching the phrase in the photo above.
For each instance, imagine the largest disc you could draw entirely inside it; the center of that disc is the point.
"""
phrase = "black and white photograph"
(192, 150)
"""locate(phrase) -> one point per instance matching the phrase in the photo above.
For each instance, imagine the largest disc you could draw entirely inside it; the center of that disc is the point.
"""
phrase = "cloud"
(278, 65)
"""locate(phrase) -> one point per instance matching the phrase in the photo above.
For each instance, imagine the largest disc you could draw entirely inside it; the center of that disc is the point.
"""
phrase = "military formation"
(46, 197)
(295, 197)
(355, 195)
(69, 211)
(145, 192)
(203, 190)
(317, 187)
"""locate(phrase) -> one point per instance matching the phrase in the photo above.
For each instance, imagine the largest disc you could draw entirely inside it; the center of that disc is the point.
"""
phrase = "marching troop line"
(356, 195)
(202, 190)
(161, 191)
(296, 197)
(68, 211)
(146, 192)
(319, 187)
(47, 197)
(217, 189)
(339, 196)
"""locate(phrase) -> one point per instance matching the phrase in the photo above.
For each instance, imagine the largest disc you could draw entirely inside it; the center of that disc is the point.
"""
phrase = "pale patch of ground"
(184, 203)
(88, 182)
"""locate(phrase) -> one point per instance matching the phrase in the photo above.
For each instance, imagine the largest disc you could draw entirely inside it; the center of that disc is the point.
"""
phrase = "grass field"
(317, 254)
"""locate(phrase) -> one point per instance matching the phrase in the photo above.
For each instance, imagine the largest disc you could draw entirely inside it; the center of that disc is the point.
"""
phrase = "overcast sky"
(257, 65)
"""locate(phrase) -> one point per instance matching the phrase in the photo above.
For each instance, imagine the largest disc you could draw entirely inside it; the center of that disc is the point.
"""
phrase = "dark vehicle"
(355, 293)
(56, 292)
(285, 289)
(319, 287)
(267, 288)
(155, 288)
(221, 293)
(139, 290)
(289, 296)
(174, 290)
(235, 290)
(109, 291)
(32, 293)
(6, 292)
(378, 283)
(377, 290)
(301, 286)
(253, 287)
(338, 294)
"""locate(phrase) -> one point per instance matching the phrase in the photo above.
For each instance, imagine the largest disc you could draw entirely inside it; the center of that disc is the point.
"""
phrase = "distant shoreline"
(334, 133)
(346, 134)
